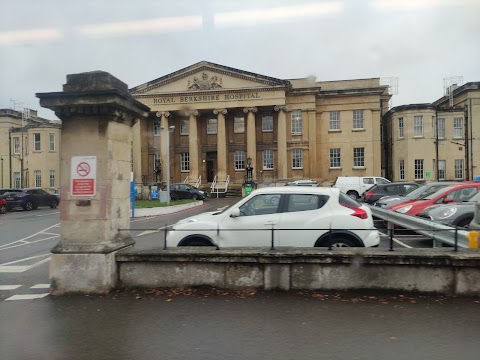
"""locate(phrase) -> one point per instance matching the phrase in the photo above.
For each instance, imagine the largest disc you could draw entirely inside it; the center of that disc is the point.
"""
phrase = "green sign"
(427, 175)
(248, 189)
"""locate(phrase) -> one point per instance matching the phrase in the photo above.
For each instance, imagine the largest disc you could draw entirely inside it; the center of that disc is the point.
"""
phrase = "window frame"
(401, 168)
(37, 142)
(359, 159)
(441, 128)
(333, 158)
(51, 138)
(52, 178)
(297, 157)
(16, 145)
(37, 175)
(184, 126)
(442, 171)
(156, 127)
(297, 122)
(459, 170)
(239, 160)
(239, 123)
(401, 128)
(417, 126)
(212, 123)
(358, 118)
(334, 121)
(419, 166)
(458, 130)
(266, 159)
(267, 121)
(185, 162)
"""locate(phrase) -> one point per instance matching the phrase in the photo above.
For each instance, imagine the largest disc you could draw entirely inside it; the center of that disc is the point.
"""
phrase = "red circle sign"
(83, 169)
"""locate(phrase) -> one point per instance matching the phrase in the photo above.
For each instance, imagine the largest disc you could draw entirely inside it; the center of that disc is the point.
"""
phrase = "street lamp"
(167, 141)
(249, 169)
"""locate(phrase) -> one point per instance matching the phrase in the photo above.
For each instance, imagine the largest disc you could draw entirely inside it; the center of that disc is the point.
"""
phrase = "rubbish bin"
(247, 188)
(163, 196)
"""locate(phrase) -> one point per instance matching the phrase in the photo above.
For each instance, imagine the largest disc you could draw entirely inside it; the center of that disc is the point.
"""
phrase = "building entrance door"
(211, 165)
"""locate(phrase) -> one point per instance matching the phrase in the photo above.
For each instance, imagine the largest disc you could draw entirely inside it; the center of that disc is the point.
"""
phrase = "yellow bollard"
(472, 239)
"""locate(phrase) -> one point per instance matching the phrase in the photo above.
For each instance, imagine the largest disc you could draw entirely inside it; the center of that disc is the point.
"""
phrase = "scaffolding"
(449, 86)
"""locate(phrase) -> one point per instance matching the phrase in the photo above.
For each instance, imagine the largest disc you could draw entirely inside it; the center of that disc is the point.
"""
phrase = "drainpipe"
(10, 154)
(467, 160)
(471, 137)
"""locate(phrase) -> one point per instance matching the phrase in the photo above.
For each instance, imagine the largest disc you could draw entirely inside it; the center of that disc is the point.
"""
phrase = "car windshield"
(435, 194)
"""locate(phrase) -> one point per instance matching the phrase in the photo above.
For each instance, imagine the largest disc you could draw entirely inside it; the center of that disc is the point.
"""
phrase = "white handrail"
(186, 180)
(199, 181)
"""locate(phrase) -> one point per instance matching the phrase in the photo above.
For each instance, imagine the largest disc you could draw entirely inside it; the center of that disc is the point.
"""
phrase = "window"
(267, 159)
(459, 169)
(184, 126)
(157, 162)
(211, 126)
(418, 169)
(239, 160)
(263, 204)
(358, 157)
(441, 129)
(239, 124)
(36, 140)
(418, 126)
(267, 122)
(442, 164)
(402, 169)
(297, 158)
(358, 119)
(305, 202)
(16, 145)
(52, 178)
(52, 142)
(185, 162)
(156, 127)
(16, 180)
(401, 133)
(458, 128)
(335, 160)
(38, 178)
(334, 120)
(297, 122)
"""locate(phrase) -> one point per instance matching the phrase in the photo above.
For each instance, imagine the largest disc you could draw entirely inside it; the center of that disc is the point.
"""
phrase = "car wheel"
(54, 204)
(28, 206)
(353, 194)
(3, 209)
(338, 242)
(197, 242)
(275, 200)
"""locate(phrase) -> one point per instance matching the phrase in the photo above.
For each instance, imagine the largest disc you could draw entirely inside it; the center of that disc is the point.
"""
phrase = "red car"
(3, 206)
(449, 194)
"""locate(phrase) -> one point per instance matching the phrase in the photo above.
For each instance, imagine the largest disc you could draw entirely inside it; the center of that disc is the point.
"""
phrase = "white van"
(353, 186)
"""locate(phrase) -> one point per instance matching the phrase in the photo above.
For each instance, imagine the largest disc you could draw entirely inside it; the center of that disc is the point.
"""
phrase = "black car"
(186, 191)
(30, 199)
(380, 190)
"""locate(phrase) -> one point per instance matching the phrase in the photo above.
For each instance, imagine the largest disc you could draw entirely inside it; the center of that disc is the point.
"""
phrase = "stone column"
(282, 164)
(163, 115)
(221, 144)
(193, 144)
(312, 143)
(251, 138)
(97, 114)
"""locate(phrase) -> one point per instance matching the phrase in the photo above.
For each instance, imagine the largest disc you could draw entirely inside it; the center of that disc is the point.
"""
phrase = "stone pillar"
(312, 143)
(282, 163)
(251, 138)
(221, 144)
(97, 114)
(193, 144)
(163, 115)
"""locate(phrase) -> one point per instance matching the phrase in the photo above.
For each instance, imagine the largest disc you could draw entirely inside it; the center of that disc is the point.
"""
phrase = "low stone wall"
(440, 271)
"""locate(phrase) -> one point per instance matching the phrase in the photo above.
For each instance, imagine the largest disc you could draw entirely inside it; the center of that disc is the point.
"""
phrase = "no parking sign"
(83, 175)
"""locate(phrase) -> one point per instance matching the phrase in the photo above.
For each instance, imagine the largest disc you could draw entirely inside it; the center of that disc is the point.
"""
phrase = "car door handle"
(270, 223)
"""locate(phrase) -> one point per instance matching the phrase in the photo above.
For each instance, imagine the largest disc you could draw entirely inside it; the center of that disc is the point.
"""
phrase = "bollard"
(472, 237)
(390, 233)
(165, 237)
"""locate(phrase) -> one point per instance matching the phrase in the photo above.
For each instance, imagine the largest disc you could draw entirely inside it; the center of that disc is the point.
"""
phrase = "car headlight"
(404, 209)
(201, 192)
(447, 212)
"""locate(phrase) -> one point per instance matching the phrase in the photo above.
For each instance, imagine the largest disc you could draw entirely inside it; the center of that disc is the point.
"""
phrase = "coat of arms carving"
(205, 83)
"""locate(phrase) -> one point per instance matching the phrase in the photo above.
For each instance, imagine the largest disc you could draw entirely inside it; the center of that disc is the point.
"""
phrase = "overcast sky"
(420, 42)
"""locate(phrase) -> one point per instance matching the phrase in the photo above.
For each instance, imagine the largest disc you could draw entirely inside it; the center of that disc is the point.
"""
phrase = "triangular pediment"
(205, 76)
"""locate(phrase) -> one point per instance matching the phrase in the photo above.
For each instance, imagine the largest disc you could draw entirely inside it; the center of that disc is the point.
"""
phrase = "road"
(27, 237)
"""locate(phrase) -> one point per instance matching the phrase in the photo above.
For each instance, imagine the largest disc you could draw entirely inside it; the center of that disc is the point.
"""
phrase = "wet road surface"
(211, 325)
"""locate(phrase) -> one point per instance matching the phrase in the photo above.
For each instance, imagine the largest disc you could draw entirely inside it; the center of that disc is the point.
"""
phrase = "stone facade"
(288, 128)
(29, 151)
(437, 141)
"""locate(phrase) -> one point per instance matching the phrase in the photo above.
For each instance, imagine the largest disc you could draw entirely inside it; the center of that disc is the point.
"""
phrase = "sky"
(417, 43)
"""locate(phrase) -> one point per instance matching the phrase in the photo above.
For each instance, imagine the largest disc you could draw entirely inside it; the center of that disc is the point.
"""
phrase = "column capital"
(162, 113)
(248, 109)
(218, 111)
(281, 108)
(191, 112)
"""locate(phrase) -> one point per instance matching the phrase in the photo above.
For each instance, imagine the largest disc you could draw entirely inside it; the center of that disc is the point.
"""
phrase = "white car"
(302, 217)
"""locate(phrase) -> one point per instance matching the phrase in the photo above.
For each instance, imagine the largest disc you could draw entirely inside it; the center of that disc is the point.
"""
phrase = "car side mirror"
(235, 213)
(447, 200)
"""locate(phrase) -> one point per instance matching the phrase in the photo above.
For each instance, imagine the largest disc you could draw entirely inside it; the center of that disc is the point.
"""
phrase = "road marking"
(40, 286)
(54, 213)
(8, 268)
(27, 297)
(401, 243)
(23, 241)
(147, 232)
(9, 287)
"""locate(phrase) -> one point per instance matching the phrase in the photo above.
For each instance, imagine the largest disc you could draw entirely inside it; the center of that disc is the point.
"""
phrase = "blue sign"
(476, 178)
(154, 195)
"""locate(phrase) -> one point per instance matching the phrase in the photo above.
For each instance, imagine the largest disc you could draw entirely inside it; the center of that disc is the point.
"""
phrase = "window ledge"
(334, 131)
(358, 130)
(267, 131)
(401, 138)
(184, 171)
(299, 168)
(297, 134)
(359, 167)
(268, 169)
(419, 137)
(335, 168)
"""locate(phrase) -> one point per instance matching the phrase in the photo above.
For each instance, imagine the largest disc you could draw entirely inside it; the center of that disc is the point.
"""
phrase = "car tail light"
(358, 212)
(369, 194)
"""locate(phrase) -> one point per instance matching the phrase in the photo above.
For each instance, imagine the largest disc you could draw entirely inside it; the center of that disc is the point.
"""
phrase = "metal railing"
(449, 235)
